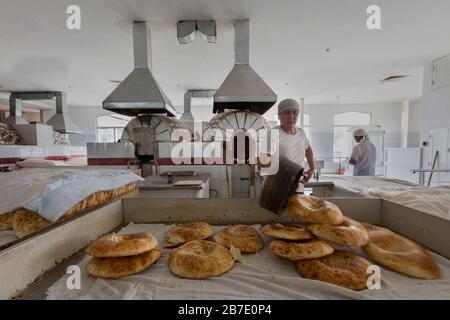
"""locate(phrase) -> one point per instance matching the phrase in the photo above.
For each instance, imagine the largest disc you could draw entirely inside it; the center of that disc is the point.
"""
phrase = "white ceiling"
(289, 39)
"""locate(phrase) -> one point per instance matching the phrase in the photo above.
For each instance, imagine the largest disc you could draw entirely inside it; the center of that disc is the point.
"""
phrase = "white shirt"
(365, 155)
(291, 146)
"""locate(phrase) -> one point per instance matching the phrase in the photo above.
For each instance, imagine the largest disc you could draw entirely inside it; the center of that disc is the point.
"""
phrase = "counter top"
(319, 183)
(157, 182)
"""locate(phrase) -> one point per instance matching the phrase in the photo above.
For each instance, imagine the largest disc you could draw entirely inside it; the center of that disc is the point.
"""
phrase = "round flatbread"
(115, 268)
(121, 245)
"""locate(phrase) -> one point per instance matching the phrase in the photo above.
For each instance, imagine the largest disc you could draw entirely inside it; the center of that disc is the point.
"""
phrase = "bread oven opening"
(243, 147)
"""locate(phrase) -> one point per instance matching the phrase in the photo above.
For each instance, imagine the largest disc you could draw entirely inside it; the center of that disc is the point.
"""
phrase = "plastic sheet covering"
(360, 184)
(435, 200)
(51, 192)
(432, 200)
(262, 276)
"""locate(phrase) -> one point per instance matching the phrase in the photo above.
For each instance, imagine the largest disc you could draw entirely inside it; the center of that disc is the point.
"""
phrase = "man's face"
(288, 118)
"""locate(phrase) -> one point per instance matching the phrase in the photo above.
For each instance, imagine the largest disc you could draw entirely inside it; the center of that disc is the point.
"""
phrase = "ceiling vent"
(186, 30)
(394, 78)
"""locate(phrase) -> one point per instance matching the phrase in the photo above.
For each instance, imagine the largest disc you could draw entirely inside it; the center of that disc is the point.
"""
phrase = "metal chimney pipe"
(61, 102)
(142, 45)
(242, 41)
(15, 111)
(15, 104)
(187, 115)
(61, 121)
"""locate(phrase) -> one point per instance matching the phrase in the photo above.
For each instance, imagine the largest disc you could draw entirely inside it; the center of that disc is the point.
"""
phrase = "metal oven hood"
(139, 93)
(243, 88)
(61, 121)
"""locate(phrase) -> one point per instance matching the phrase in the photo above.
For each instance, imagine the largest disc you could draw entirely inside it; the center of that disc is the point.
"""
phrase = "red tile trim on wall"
(10, 160)
(108, 161)
(4, 161)
(57, 158)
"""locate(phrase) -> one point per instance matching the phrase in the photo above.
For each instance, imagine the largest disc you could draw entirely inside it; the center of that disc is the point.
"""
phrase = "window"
(109, 134)
(110, 127)
(343, 137)
(306, 125)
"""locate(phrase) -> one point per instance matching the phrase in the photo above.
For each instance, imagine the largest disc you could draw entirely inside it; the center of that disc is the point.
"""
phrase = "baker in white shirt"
(364, 155)
(293, 142)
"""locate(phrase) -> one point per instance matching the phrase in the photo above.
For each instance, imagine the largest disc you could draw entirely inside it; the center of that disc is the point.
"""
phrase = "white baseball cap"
(288, 104)
(360, 133)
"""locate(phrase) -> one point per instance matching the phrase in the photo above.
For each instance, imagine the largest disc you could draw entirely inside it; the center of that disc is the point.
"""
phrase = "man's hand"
(310, 157)
(265, 160)
(307, 175)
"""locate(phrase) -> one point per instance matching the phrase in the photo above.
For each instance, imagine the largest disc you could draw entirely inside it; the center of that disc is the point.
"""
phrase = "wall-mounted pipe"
(15, 104)
(242, 41)
(15, 112)
(187, 115)
(61, 121)
(187, 118)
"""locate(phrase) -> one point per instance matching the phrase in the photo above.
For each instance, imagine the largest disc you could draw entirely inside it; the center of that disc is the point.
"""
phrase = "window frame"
(114, 128)
(309, 126)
